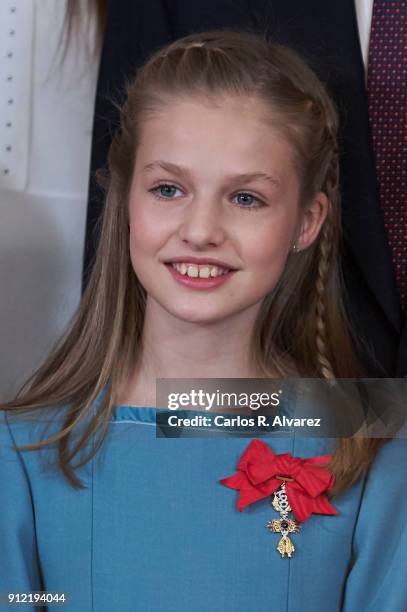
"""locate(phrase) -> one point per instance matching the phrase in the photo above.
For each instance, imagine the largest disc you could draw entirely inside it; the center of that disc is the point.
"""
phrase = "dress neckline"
(140, 414)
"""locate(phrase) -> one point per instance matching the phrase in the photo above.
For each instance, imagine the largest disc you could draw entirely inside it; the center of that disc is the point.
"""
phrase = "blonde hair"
(301, 328)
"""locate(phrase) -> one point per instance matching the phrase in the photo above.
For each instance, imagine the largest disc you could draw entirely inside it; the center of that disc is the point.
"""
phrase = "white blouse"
(46, 115)
(364, 9)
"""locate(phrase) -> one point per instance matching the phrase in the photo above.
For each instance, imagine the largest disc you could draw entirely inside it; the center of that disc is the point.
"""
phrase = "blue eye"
(168, 191)
(165, 191)
(247, 200)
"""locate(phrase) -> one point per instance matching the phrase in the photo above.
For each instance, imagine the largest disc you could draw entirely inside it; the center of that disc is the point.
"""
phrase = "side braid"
(329, 183)
(325, 252)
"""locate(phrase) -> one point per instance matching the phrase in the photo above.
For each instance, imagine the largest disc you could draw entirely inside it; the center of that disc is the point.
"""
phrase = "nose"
(202, 224)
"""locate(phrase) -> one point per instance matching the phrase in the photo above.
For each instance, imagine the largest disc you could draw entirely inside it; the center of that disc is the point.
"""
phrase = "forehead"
(223, 134)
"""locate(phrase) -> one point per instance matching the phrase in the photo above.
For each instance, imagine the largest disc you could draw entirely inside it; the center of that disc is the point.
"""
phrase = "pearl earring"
(295, 248)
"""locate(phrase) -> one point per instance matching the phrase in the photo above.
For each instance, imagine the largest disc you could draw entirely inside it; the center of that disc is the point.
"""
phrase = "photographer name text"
(241, 421)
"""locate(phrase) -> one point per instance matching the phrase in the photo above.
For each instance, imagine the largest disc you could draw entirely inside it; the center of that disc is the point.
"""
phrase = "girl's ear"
(312, 220)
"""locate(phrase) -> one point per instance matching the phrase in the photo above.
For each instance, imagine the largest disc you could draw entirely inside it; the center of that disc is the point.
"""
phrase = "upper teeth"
(204, 271)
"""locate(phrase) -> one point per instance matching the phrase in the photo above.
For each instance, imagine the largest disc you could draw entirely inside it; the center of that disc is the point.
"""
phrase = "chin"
(200, 311)
(196, 315)
(197, 318)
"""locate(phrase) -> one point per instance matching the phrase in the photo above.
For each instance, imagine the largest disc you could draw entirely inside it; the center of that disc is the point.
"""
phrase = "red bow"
(256, 479)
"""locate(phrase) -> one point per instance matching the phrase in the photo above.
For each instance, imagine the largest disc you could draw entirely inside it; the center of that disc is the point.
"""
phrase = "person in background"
(47, 100)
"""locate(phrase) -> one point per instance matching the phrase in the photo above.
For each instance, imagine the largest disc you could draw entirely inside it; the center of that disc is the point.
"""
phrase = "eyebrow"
(245, 177)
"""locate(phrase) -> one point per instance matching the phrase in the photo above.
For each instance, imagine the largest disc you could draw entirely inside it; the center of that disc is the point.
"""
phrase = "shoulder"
(390, 462)
(31, 426)
(376, 580)
(30, 451)
(385, 485)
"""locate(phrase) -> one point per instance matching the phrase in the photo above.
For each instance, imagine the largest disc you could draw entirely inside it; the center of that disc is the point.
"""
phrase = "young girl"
(218, 258)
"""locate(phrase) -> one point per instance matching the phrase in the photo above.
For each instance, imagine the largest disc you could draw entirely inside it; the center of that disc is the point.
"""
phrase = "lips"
(199, 273)
(201, 261)
(201, 270)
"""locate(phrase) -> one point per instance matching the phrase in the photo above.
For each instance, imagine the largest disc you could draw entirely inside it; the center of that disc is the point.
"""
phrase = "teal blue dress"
(154, 530)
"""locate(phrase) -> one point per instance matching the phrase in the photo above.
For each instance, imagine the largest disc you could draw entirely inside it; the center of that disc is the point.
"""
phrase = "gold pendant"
(285, 546)
(284, 524)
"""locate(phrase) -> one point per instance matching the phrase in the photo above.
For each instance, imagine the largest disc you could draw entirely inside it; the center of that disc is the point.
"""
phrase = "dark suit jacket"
(326, 34)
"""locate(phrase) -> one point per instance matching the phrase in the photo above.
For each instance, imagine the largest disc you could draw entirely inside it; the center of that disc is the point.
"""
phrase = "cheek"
(142, 249)
(150, 230)
(267, 251)
(146, 229)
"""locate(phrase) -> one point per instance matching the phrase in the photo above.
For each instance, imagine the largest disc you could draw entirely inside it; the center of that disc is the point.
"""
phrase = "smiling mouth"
(199, 271)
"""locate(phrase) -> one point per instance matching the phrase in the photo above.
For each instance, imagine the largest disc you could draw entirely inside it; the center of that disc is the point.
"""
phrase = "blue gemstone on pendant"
(284, 525)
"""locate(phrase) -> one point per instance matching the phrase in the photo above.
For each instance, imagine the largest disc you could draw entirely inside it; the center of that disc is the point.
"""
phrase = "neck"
(173, 348)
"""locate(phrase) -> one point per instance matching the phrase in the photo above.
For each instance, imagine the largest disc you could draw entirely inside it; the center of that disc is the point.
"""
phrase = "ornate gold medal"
(306, 481)
(284, 524)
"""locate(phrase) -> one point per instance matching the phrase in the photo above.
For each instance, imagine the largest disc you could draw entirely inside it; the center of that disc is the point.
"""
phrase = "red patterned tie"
(387, 83)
